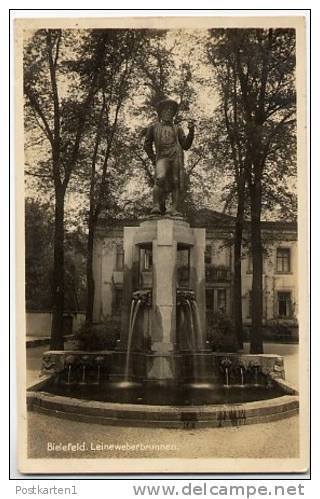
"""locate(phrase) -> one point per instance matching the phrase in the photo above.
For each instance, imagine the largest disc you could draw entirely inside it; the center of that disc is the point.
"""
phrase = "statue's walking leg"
(175, 201)
(163, 203)
(156, 199)
(159, 187)
(175, 189)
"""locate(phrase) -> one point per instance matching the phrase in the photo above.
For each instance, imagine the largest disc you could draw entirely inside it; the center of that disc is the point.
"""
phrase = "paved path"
(272, 440)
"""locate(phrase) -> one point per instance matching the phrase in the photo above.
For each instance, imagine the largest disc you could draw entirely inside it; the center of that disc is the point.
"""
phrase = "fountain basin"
(181, 403)
(164, 393)
(165, 416)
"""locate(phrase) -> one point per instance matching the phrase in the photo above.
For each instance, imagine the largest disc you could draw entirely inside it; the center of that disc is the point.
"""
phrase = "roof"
(206, 218)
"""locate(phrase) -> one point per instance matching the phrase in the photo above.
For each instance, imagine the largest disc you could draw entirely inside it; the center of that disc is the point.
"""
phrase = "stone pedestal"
(164, 236)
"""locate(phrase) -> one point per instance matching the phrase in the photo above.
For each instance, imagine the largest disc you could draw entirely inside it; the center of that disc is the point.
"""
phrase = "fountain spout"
(99, 361)
(69, 362)
(135, 309)
(139, 298)
(196, 316)
(241, 371)
(84, 361)
(186, 300)
(225, 366)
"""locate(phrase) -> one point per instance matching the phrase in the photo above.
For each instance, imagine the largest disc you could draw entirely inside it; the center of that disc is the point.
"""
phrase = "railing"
(215, 273)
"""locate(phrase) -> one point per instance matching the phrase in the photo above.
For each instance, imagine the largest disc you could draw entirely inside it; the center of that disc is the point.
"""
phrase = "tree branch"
(272, 134)
(41, 175)
(36, 107)
(57, 49)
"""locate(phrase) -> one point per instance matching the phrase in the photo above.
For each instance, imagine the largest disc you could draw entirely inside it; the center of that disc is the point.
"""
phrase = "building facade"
(280, 293)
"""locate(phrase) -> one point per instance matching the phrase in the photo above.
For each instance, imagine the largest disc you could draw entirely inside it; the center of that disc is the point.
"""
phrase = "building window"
(119, 257)
(147, 262)
(283, 260)
(221, 300)
(209, 299)
(117, 301)
(208, 255)
(284, 304)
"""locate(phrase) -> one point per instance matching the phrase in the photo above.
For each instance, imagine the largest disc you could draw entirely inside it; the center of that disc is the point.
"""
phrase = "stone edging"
(218, 415)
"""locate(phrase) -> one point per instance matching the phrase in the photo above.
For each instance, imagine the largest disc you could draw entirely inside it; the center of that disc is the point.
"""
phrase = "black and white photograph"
(162, 248)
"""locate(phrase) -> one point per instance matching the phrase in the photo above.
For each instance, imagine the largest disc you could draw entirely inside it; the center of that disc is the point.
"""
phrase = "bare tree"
(260, 65)
(62, 121)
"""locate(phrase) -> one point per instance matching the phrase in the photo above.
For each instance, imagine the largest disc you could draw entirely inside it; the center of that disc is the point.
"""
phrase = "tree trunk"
(90, 278)
(56, 342)
(92, 224)
(237, 282)
(256, 344)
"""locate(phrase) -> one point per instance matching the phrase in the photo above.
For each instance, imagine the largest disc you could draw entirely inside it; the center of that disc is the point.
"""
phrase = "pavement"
(268, 440)
(279, 439)
(36, 341)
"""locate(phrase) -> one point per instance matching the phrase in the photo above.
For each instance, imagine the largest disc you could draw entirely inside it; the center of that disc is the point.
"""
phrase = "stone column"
(164, 250)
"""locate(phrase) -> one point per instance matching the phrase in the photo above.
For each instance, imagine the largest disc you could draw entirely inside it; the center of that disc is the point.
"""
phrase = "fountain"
(162, 371)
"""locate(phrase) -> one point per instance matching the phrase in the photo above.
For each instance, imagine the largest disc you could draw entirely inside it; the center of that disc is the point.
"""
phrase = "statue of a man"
(169, 141)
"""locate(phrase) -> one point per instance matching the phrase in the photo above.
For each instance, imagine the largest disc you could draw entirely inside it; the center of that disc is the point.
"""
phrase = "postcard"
(161, 231)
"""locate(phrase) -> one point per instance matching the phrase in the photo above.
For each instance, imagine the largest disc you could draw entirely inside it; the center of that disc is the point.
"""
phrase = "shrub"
(281, 330)
(221, 334)
(102, 336)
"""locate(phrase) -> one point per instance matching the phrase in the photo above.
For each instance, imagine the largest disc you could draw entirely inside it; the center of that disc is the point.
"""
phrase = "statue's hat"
(167, 102)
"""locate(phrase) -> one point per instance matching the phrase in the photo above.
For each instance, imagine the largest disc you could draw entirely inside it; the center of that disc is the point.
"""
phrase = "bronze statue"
(169, 141)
